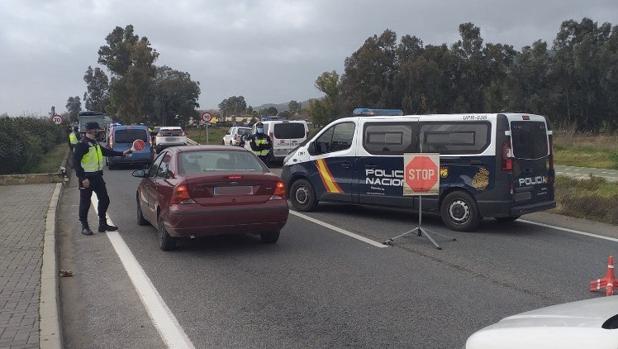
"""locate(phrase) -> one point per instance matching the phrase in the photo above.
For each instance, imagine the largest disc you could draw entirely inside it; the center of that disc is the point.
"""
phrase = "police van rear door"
(287, 136)
(531, 159)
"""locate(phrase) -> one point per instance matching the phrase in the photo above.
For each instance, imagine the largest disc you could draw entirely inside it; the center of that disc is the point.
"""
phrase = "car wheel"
(506, 219)
(166, 242)
(270, 237)
(303, 196)
(222, 142)
(460, 212)
(140, 216)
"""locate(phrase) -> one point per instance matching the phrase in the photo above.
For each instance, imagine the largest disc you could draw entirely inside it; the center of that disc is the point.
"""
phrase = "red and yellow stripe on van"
(327, 177)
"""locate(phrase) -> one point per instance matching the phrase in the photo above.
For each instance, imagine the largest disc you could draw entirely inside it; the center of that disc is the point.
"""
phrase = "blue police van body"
(121, 137)
(491, 165)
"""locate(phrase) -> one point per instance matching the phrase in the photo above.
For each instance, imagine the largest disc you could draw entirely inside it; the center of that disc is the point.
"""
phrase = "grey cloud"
(268, 50)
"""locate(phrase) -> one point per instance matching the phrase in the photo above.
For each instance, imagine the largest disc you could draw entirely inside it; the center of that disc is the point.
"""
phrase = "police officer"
(260, 143)
(88, 162)
(73, 138)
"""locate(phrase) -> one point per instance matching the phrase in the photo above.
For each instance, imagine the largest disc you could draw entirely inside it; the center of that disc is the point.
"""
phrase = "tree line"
(574, 81)
(137, 89)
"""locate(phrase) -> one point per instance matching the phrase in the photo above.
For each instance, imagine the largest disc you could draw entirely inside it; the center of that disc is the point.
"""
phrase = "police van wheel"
(460, 212)
(140, 216)
(166, 242)
(302, 195)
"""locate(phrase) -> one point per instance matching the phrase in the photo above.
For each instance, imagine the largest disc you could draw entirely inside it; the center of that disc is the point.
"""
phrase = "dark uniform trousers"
(98, 186)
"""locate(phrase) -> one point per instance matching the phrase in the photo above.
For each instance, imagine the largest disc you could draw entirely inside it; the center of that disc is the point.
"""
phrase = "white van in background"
(285, 135)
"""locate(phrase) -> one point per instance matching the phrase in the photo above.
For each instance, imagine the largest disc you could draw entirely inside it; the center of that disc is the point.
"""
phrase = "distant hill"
(282, 106)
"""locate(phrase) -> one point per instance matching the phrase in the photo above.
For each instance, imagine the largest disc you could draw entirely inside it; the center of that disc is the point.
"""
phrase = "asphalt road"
(317, 287)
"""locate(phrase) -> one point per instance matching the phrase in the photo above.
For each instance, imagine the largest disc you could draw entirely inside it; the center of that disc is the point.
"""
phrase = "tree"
(96, 96)
(130, 59)
(173, 94)
(294, 107)
(370, 74)
(74, 106)
(233, 106)
(329, 107)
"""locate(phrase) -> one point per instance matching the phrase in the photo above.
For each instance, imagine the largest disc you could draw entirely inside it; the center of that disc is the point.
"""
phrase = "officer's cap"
(92, 126)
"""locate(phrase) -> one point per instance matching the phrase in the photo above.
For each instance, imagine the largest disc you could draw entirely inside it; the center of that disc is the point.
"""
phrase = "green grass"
(593, 198)
(598, 151)
(215, 135)
(51, 160)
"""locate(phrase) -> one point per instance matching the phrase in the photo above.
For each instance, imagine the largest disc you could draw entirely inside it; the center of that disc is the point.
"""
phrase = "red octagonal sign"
(422, 174)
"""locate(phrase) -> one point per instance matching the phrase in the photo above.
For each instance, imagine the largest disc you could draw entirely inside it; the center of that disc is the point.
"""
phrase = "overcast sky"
(267, 51)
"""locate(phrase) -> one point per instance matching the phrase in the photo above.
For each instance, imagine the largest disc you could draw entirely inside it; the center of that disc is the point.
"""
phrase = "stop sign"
(421, 174)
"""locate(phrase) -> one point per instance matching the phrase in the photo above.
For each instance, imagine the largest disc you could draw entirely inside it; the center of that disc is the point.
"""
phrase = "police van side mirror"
(312, 149)
(140, 173)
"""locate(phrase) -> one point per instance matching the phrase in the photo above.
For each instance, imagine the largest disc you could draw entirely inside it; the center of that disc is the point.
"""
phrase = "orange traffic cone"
(607, 282)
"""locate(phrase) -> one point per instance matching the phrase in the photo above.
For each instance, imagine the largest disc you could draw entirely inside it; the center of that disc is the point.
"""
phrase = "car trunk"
(531, 162)
(231, 188)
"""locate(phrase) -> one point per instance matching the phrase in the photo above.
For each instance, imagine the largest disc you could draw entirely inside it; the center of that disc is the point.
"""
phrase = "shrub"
(25, 140)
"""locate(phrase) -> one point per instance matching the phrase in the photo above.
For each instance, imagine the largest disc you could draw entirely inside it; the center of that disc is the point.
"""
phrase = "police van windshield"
(529, 139)
(128, 136)
(290, 130)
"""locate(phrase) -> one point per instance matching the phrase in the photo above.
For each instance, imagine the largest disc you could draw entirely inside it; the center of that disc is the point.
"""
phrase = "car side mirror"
(140, 173)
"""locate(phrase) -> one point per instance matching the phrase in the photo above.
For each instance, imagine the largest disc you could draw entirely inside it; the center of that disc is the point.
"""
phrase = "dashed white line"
(339, 230)
(572, 231)
(161, 316)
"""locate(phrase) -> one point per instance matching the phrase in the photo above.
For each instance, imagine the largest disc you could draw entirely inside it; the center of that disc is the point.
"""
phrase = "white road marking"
(339, 230)
(164, 321)
(572, 231)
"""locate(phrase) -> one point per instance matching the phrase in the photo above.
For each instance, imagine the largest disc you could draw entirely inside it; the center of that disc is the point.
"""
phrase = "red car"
(195, 191)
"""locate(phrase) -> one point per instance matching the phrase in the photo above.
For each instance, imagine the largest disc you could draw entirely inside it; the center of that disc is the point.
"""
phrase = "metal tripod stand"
(419, 230)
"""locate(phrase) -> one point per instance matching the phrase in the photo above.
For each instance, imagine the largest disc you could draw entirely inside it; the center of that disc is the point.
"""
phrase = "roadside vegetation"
(52, 159)
(26, 141)
(215, 134)
(586, 150)
(593, 198)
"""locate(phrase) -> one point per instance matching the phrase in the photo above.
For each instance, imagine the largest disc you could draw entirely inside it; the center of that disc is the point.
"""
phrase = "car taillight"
(507, 156)
(181, 195)
(279, 192)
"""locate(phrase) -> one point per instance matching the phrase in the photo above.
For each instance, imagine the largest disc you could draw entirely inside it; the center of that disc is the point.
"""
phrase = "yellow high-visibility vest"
(259, 142)
(72, 138)
(93, 160)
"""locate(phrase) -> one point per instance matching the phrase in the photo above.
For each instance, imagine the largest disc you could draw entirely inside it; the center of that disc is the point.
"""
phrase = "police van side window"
(455, 137)
(336, 138)
(390, 138)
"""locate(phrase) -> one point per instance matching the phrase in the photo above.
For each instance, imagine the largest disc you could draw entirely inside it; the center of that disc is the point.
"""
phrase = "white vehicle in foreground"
(169, 136)
(234, 134)
(591, 323)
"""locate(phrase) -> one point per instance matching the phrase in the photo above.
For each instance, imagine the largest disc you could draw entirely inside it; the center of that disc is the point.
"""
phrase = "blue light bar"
(377, 112)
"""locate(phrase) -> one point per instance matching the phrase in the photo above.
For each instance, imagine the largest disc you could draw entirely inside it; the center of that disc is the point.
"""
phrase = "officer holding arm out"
(88, 160)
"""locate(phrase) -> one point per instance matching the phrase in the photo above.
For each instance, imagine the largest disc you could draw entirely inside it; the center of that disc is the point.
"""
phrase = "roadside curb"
(50, 334)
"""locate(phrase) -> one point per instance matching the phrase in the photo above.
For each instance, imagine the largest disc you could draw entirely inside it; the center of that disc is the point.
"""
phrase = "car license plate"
(171, 139)
(234, 190)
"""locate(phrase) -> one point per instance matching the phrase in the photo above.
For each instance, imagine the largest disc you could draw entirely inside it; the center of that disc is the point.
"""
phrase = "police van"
(491, 165)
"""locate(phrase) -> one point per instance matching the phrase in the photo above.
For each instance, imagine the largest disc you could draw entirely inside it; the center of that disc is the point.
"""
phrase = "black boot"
(103, 227)
(86, 229)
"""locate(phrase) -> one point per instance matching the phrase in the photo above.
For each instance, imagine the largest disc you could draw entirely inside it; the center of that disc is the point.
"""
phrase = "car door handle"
(346, 164)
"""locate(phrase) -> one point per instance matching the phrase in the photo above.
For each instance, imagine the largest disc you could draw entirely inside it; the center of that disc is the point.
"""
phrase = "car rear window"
(529, 139)
(128, 136)
(289, 130)
(170, 133)
(219, 161)
(244, 131)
